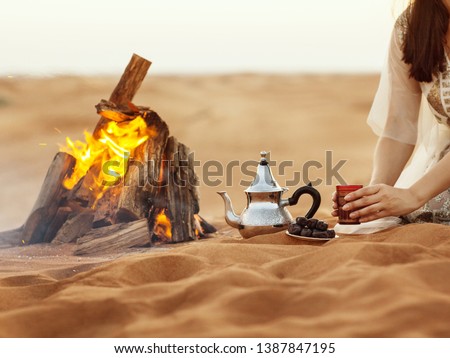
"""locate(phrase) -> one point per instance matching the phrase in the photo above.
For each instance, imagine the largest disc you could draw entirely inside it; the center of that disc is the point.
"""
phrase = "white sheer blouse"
(413, 112)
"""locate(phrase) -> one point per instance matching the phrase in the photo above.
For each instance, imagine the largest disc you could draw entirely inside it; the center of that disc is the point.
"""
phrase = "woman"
(411, 113)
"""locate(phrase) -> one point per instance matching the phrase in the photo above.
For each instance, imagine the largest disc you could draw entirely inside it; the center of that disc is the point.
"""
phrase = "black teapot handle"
(308, 189)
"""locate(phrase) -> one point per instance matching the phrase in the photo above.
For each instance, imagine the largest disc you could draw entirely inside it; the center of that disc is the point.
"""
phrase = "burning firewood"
(129, 170)
(128, 85)
(119, 113)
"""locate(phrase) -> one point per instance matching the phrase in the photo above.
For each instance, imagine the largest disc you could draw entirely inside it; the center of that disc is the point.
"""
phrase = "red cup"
(341, 192)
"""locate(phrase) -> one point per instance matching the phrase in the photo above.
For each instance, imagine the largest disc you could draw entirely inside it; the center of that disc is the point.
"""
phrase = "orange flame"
(111, 151)
(198, 227)
(163, 226)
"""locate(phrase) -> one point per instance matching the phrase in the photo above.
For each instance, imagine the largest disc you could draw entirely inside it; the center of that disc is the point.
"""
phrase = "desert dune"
(389, 284)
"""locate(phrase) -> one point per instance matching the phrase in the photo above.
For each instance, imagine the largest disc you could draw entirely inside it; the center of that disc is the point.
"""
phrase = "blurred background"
(197, 36)
(231, 78)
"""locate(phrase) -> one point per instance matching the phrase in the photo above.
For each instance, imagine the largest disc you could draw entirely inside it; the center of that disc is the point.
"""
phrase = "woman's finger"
(367, 211)
(362, 202)
(367, 191)
(378, 215)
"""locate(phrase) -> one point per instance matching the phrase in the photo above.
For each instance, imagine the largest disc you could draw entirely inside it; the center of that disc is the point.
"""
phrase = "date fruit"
(311, 228)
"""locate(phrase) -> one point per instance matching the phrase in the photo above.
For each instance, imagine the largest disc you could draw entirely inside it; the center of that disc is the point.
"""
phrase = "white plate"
(310, 238)
(369, 227)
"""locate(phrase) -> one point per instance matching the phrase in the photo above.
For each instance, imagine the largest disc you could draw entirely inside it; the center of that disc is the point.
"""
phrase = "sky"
(51, 37)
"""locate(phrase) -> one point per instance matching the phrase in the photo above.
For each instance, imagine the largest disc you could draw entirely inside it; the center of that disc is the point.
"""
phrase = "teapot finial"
(263, 158)
(264, 182)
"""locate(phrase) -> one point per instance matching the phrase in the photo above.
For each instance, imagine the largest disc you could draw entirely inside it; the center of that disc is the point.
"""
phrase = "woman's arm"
(434, 182)
(390, 158)
(380, 200)
(394, 117)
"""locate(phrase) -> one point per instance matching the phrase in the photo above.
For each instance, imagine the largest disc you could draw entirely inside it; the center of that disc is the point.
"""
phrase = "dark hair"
(424, 42)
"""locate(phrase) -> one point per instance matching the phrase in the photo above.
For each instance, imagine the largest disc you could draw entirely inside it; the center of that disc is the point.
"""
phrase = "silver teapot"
(266, 211)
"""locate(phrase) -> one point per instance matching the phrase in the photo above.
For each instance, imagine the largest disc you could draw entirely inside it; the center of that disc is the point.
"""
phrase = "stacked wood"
(128, 85)
(160, 179)
(75, 227)
(45, 213)
(114, 238)
(181, 196)
(11, 238)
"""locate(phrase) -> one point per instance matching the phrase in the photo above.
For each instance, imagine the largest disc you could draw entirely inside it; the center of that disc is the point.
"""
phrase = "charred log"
(49, 200)
(114, 238)
(128, 85)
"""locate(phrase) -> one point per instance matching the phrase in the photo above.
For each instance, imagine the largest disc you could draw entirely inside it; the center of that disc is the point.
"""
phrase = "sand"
(390, 284)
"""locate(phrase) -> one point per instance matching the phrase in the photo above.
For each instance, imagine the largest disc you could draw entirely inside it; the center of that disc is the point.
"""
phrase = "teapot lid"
(264, 181)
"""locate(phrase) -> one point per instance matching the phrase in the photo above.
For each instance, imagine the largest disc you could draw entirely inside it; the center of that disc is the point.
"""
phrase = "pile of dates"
(311, 228)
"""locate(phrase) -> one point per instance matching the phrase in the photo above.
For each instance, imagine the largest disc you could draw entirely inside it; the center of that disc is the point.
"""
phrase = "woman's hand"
(335, 205)
(379, 201)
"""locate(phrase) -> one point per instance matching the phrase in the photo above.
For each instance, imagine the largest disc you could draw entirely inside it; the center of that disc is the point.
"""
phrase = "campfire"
(128, 184)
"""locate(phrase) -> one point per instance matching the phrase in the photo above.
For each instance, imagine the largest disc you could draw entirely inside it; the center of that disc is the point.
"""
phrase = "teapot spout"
(230, 217)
